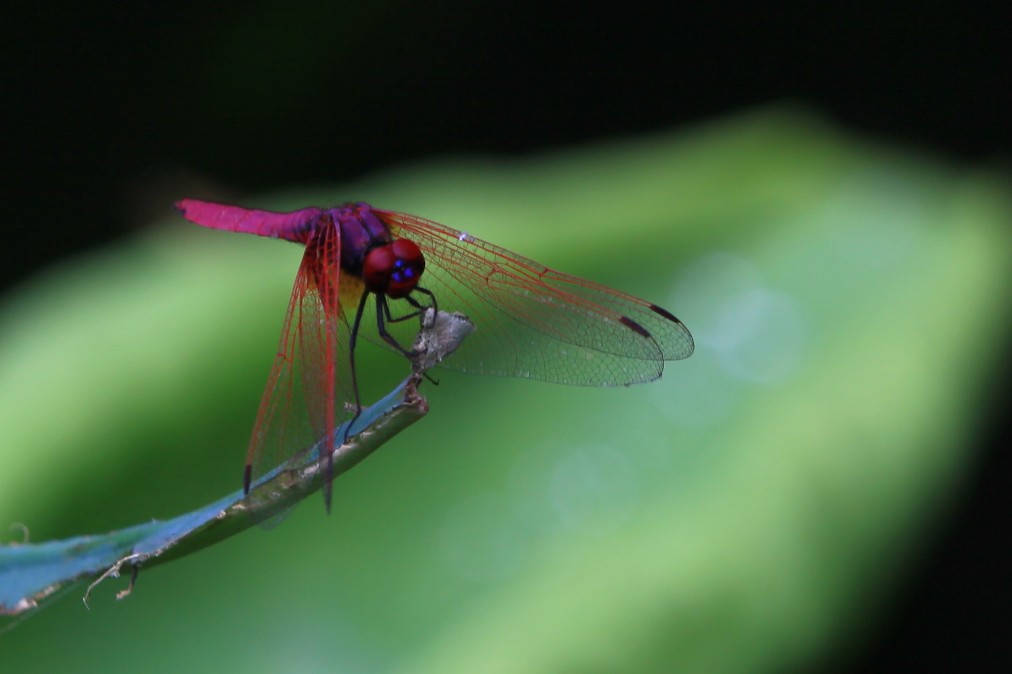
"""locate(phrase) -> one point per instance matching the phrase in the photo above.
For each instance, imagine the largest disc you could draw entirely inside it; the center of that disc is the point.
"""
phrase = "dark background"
(112, 112)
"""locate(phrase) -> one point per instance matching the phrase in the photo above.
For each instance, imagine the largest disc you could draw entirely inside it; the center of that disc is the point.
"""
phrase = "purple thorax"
(361, 231)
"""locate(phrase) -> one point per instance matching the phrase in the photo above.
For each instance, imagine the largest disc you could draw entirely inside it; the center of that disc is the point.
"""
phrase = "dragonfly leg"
(432, 298)
(351, 354)
(384, 316)
(420, 308)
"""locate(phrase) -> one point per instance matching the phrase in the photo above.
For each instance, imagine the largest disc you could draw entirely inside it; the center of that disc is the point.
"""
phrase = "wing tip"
(688, 343)
(661, 311)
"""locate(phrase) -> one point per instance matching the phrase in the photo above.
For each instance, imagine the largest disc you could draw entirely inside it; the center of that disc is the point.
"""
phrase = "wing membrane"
(307, 390)
(533, 321)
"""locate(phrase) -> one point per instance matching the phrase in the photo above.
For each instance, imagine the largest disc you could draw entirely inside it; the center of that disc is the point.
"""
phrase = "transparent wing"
(308, 391)
(535, 322)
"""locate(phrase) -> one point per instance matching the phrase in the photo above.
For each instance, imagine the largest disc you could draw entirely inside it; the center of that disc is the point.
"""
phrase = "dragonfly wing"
(294, 226)
(324, 363)
(303, 401)
(533, 321)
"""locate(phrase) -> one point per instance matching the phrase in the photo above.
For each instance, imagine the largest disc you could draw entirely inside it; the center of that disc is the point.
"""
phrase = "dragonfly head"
(393, 269)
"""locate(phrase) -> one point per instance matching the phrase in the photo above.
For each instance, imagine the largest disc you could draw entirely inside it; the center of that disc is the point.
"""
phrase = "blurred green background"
(749, 512)
(764, 507)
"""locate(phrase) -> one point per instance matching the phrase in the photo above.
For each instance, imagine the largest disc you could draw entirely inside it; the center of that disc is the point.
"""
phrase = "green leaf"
(30, 573)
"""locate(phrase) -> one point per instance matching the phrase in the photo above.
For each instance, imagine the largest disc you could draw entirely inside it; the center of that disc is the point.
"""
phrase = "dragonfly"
(364, 266)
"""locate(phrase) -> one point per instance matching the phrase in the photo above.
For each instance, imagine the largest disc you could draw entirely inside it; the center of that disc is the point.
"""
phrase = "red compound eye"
(393, 269)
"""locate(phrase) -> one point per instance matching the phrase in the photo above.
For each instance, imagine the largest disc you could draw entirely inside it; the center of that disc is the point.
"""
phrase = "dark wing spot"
(178, 208)
(664, 312)
(630, 323)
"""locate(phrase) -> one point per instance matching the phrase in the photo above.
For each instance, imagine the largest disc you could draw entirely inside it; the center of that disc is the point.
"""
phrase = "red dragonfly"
(531, 321)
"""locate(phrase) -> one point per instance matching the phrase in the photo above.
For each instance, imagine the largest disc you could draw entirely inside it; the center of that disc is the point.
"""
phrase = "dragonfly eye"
(393, 269)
